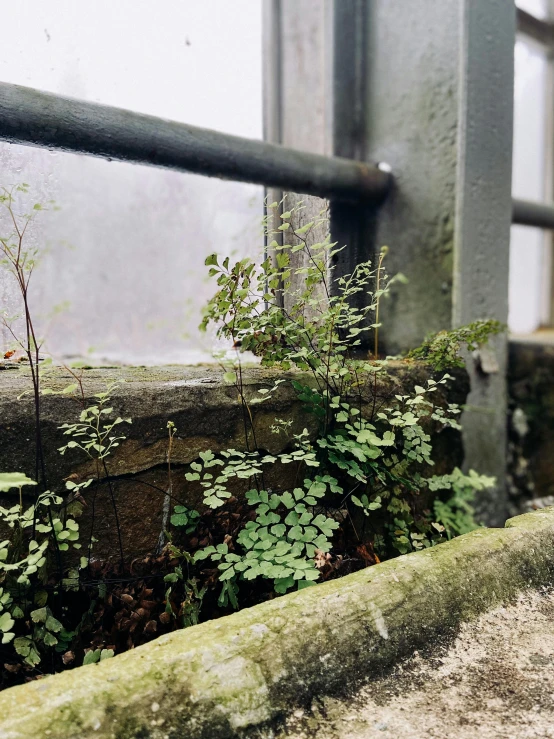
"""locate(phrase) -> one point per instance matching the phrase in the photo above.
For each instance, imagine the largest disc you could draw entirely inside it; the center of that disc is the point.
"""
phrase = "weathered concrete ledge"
(207, 414)
(231, 677)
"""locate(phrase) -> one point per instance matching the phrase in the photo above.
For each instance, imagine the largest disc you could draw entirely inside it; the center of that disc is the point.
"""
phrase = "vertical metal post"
(427, 87)
(296, 62)
(350, 224)
(273, 105)
(482, 225)
(439, 111)
(412, 87)
(320, 67)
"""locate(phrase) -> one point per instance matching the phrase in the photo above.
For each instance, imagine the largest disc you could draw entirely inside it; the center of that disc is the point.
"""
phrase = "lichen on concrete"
(494, 680)
(225, 677)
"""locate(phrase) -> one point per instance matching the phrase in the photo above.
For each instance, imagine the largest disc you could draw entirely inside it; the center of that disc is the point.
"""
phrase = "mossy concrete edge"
(226, 677)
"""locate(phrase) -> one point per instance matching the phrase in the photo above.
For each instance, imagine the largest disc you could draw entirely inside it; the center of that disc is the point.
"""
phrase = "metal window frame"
(530, 213)
(35, 118)
(473, 84)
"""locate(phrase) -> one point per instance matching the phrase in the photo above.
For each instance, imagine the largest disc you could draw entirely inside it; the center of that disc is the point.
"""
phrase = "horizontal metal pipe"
(528, 213)
(42, 119)
(535, 28)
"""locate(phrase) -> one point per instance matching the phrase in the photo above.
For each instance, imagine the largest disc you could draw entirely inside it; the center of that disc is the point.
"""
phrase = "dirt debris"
(495, 680)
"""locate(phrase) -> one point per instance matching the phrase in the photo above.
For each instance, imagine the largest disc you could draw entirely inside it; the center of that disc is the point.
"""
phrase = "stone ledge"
(197, 399)
(207, 414)
(231, 677)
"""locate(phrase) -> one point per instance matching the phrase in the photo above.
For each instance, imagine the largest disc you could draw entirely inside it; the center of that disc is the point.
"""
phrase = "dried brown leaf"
(68, 657)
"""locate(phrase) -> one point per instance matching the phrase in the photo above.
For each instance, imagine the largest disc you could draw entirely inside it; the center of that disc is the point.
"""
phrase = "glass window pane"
(537, 8)
(526, 279)
(197, 62)
(128, 245)
(528, 253)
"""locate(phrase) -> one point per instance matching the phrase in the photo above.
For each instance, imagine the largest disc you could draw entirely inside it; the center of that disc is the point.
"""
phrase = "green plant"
(456, 513)
(33, 577)
(97, 655)
(371, 456)
(23, 567)
(96, 435)
(43, 529)
(44, 524)
(187, 612)
(442, 350)
(19, 261)
(185, 517)
(360, 487)
(94, 432)
(6, 618)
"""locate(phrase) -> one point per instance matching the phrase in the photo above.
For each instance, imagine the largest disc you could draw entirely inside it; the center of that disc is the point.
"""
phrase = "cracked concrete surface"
(495, 680)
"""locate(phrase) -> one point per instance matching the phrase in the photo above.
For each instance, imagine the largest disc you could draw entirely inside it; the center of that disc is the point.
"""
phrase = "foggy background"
(128, 245)
(126, 250)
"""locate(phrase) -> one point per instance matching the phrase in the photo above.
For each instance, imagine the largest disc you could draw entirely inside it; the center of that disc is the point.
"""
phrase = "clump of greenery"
(42, 531)
(38, 531)
(57, 610)
(442, 350)
(367, 474)
(363, 485)
(32, 558)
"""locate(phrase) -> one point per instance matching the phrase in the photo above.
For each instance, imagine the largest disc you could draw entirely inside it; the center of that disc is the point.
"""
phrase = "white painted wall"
(138, 236)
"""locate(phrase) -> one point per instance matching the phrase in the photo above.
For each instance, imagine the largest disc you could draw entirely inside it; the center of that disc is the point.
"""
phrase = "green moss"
(214, 679)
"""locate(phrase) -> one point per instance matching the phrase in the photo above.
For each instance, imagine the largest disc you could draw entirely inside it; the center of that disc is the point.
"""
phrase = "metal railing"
(528, 213)
(42, 119)
(539, 30)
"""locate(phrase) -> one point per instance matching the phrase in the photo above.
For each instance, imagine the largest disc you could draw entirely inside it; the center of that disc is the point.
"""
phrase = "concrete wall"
(427, 88)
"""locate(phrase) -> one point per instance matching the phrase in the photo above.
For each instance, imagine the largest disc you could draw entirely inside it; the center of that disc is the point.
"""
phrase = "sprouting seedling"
(382, 255)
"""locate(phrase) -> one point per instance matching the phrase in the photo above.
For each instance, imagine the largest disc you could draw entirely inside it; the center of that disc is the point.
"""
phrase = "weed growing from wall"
(43, 531)
(366, 477)
(363, 486)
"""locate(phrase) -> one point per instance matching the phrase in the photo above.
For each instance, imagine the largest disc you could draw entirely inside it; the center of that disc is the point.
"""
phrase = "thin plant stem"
(377, 301)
